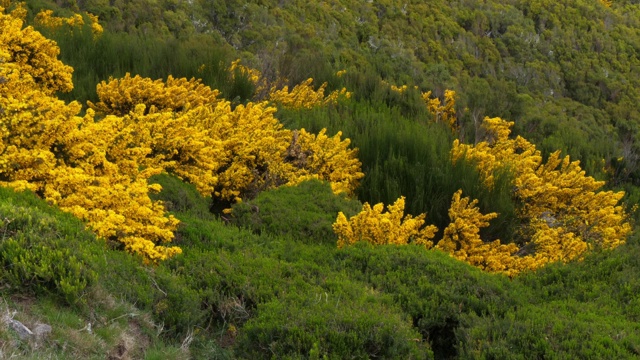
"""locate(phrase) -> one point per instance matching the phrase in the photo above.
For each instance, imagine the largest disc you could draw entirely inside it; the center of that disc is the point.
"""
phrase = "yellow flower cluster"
(70, 160)
(303, 96)
(400, 89)
(96, 28)
(381, 228)
(254, 75)
(120, 96)
(563, 211)
(19, 10)
(226, 153)
(326, 158)
(443, 113)
(46, 19)
(35, 55)
(254, 145)
(462, 237)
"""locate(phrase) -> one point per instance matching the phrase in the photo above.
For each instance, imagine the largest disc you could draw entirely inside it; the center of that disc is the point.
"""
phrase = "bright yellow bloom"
(88, 168)
(443, 113)
(120, 96)
(302, 96)
(377, 227)
(254, 75)
(462, 237)
(35, 55)
(564, 212)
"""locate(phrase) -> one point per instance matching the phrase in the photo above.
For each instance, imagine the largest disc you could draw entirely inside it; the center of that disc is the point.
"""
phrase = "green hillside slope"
(267, 280)
(234, 294)
(564, 71)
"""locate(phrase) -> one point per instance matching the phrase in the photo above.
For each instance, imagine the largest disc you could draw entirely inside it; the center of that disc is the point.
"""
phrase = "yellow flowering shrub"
(18, 9)
(116, 207)
(375, 226)
(327, 158)
(399, 89)
(120, 96)
(30, 126)
(445, 113)
(462, 237)
(254, 145)
(85, 167)
(66, 159)
(254, 75)
(96, 28)
(258, 153)
(46, 19)
(227, 153)
(99, 170)
(35, 55)
(563, 211)
(303, 96)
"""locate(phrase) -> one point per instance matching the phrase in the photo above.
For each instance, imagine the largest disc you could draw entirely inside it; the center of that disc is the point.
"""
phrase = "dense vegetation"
(238, 294)
(264, 278)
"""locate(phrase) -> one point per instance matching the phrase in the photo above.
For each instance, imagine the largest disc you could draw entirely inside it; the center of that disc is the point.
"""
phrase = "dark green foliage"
(340, 324)
(583, 310)
(422, 283)
(180, 197)
(114, 54)
(305, 211)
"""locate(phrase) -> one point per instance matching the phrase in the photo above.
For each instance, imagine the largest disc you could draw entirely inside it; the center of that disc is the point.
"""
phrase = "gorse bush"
(303, 96)
(120, 96)
(403, 158)
(561, 211)
(99, 170)
(384, 228)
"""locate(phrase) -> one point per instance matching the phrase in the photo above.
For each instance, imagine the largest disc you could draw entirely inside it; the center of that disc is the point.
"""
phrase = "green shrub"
(305, 212)
(181, 197)
(343, 320)
(558, 329)
(43, 253)
(435, 290)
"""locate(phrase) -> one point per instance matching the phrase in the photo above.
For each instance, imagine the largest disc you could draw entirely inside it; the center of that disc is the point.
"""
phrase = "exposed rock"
(23, 332)
(42, 330)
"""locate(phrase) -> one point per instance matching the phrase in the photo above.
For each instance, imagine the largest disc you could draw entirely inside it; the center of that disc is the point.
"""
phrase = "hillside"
(234, 294)
(564, 71)
(258, 209)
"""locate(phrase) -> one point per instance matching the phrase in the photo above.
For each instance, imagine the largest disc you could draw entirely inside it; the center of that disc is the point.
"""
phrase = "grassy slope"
(234, 294)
